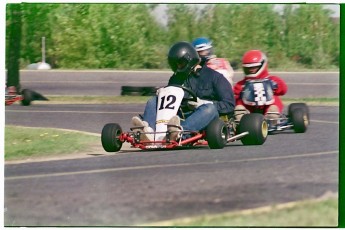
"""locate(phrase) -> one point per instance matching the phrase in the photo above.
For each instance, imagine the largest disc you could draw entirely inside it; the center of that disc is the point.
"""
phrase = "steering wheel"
(192, 95)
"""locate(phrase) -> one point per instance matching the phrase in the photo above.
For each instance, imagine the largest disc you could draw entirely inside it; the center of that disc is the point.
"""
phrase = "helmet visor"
(252, 68)
(183, 63)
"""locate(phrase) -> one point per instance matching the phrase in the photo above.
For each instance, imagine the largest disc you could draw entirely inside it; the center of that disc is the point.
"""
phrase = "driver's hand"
(195, 104)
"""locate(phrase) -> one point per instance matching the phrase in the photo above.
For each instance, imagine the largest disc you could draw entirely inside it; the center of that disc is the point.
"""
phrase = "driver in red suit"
(255, 67)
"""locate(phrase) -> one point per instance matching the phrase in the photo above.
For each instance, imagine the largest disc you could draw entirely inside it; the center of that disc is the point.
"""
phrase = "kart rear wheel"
(257, 128)
(110, 137)
(294, 106)
(217, 134)
(299, 120)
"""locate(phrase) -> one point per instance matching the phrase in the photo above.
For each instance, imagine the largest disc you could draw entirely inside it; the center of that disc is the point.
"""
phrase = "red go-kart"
(25, 97)
(259, 93)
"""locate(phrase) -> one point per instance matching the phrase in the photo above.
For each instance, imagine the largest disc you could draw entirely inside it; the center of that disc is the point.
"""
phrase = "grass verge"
(311, 213)
(23, 142)
(143, 99)
(313, 101)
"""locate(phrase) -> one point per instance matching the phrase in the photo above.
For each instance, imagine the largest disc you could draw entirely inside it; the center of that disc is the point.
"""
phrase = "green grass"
(22, 142)
(313, 101)
(311, 213)
(143, 99)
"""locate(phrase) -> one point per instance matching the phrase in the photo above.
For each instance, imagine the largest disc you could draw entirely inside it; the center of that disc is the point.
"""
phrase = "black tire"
(299, 120)
(256, 125)
(217, 134)
(303, 106)
(27, 97)
(132, 90)
(125, 93)
(110, 137)
(150, 90)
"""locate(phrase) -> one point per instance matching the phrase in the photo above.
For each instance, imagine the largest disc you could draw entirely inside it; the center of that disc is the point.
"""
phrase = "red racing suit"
(280, 89)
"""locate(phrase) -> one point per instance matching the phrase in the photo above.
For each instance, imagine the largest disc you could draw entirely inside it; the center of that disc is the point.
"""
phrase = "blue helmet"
(201, 44)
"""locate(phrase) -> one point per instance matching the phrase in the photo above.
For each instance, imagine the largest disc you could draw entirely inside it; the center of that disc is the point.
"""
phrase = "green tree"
(311, 36)
(14, 28)
(125, 38)
(182, 22)
(36, 25)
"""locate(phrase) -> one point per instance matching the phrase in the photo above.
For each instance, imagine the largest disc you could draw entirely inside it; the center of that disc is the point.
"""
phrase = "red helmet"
(254, 63)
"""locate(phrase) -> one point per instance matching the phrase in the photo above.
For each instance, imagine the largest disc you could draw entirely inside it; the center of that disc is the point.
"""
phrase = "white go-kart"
(251, 130)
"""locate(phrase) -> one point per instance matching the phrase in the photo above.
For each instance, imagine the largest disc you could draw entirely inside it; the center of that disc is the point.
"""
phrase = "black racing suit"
(210, 85)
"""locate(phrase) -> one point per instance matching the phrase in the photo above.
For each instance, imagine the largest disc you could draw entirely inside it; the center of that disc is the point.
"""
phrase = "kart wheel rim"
(224, 134)
(305, 120)
(264, 128)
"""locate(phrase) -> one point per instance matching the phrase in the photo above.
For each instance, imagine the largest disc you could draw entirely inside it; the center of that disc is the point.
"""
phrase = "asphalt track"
(140, 187)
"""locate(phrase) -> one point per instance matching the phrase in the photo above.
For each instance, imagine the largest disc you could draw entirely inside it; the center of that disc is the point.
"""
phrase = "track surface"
(138, 187)
(141, 187)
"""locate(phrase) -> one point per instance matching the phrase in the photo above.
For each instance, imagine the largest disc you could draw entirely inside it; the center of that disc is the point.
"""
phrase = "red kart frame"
(164, 144)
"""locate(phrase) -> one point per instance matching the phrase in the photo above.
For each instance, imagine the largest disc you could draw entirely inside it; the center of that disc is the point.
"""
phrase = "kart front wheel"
(27, 97)
(110, 137)
(216, 134)
(302, 106)
(299, 120)
(257, 128)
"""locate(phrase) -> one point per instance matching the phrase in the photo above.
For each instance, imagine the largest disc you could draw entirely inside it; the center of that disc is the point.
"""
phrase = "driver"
(205, 50)
(255, 66)
(214, 94)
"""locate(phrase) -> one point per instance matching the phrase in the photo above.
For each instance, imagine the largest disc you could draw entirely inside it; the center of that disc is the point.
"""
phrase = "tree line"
(129, 36)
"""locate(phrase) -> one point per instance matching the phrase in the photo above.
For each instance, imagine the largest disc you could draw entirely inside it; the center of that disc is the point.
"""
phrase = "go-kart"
(259, 93)
(251, 130)
(25, 97)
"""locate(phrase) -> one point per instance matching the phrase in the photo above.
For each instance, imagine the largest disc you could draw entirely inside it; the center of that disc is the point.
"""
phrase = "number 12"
(171, 99)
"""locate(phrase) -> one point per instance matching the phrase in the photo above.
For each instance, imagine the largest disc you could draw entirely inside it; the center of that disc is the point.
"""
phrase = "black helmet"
(183, 57)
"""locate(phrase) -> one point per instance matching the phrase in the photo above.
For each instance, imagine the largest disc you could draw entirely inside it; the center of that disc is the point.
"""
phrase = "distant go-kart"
(25, 97)
(259, 93)
(251, 130)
